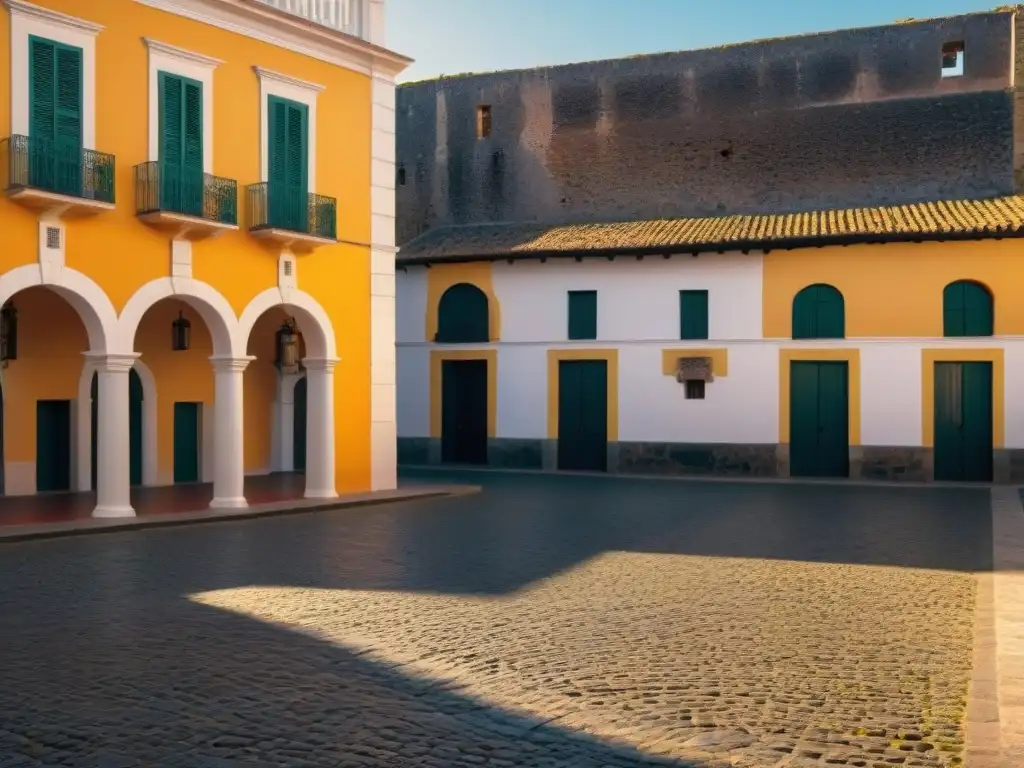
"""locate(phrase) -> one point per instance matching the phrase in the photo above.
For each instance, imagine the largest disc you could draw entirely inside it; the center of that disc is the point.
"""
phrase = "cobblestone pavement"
(549, 621)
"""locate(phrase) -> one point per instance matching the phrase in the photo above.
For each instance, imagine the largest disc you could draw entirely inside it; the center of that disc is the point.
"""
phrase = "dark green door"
(819, 436)
(464, 411)
(299, 427)
(53, 445)
(186, 442)
(963, 421)
(288, 158)
(134, 427)
(583, 415)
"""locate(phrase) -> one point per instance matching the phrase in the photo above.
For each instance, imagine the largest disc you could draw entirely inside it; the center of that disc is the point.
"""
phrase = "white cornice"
(181, 53)
(20, 7)
(270, 25)
(277, 77)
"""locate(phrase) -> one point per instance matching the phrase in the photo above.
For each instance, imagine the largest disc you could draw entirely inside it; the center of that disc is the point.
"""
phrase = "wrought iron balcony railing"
(269, 207)
(161, 188)
(49, 166)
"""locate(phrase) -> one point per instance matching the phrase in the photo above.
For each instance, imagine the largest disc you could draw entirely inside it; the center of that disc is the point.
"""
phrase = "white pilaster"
(229, 434)
(383, 431)
(113, 476)
(320, 428)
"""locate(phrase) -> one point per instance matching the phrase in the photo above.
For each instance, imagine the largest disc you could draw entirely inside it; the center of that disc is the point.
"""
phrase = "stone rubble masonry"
(841, 119)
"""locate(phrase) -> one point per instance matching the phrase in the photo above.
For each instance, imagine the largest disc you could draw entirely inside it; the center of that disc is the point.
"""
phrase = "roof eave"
(792, 243)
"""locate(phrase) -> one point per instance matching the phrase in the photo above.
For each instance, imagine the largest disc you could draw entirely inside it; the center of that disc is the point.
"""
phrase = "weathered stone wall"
(857, 117)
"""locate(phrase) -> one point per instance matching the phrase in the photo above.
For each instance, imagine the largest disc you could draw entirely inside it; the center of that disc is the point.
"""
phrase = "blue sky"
(453, 36)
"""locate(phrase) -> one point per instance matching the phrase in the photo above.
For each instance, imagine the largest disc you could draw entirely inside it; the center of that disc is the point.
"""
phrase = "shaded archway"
(270, 389)
(463, 316)
(819, 312)
(967, 309)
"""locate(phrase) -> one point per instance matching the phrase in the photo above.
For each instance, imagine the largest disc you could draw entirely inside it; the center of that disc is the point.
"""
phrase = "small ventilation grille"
(287, 267)
(53, 237)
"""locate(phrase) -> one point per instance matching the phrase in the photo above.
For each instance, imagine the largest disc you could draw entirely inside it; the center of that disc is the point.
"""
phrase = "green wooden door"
(464, 411)
(181, 144)
(288, 161)
(53, 445)
(55, 116)
(583, 415)
(963, 421)
(299, 427)
(819, 437)
(186, 442)
(134, 427)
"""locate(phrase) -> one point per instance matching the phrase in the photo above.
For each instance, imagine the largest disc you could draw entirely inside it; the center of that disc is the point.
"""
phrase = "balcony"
(348, 16)
(61, 180)
(193, 206)
(290, 219)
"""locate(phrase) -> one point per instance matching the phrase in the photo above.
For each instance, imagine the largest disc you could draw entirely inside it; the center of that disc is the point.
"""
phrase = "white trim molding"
(286, 87)
(195, 66)
(28, 19)
(271, 25)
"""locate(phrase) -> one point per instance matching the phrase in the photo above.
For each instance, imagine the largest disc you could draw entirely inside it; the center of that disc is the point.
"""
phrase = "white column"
(320, 428)
(229, 434)
(113, 463)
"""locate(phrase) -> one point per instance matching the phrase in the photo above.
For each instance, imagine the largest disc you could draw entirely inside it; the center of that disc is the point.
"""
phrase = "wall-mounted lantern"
(181, 333)
(288, 346)
(8, 332)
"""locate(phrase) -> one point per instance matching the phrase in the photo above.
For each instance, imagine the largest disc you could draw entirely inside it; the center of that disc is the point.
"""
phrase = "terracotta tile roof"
(947, 220)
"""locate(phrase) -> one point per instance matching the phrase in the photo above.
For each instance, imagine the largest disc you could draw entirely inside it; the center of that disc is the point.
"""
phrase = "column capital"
(320, 363)
(112, 362)
(225, 363)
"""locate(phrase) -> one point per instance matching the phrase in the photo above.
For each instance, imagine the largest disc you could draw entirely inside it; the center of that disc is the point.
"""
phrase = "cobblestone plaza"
(548, 621)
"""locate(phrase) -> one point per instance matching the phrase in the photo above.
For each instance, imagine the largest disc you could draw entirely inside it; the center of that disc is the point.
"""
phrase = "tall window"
(967, 310)
(55, 116)
(181, 144)
(819, 313)
(582, 315)
(463, 316)
(288, 154)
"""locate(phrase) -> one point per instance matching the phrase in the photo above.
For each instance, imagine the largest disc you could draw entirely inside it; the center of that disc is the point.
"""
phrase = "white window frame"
(195, 66)
(957, 70)
(286, 87)
(28, 19)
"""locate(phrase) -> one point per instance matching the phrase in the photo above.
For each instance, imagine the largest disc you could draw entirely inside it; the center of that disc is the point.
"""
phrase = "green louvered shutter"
(181, 144)
(55, 116)
(693, 314)
(288, 155)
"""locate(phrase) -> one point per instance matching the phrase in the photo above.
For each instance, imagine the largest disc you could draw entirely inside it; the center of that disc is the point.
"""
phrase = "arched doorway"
(135, 398)
(299, 427)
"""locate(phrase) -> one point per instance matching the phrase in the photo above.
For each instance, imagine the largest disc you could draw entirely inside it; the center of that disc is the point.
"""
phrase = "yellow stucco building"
(196, 245)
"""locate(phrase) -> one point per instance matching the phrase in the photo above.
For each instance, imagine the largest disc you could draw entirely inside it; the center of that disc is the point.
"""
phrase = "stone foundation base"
(868, 462)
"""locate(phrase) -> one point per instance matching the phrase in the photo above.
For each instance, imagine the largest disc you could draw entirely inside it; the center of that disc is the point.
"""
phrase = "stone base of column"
(237, 502)
(324, 493)
(114, 512)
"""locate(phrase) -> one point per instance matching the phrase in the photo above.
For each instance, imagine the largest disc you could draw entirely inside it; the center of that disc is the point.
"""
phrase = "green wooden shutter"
(55, 116)
(582, 314)
(819, 313)
(693, 314)
(463, 315)
(181, 144)
(288, 161)
(967, 310)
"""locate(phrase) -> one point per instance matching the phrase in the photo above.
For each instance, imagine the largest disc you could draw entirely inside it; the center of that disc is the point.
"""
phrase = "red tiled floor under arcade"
(66, 507)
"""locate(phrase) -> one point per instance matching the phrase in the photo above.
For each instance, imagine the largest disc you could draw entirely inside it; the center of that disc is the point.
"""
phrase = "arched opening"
(819, 313)
(41, 390)
(180, 366)
(292, 340)
(967, 310)
(463, 316)
(135, 420)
